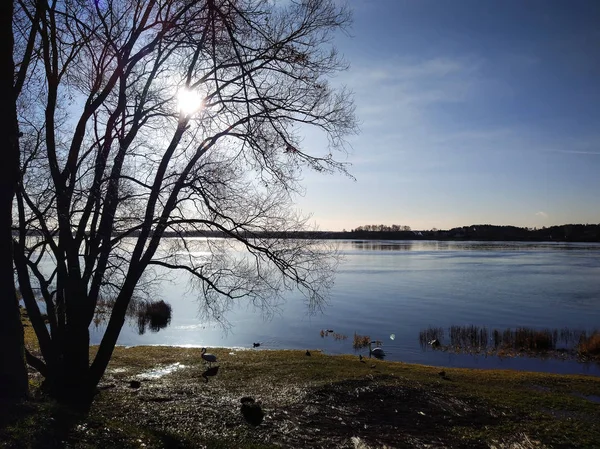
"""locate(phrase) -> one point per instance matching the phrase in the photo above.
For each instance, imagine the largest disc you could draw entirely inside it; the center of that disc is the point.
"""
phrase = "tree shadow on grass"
(37, 423)
(42, 423)
(380, 413)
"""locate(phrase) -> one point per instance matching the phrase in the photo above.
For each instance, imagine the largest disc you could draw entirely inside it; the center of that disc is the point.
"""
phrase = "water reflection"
(382, 245)
(468, 245)
(157, 373)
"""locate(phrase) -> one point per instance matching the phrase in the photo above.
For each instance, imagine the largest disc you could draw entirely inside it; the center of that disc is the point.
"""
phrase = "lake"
(400, 287)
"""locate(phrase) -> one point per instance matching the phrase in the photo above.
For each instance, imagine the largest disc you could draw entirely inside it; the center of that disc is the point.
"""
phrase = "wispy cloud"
(595, 153)
(426, 81)
(420, 70)
(541, 214)
(397, 94)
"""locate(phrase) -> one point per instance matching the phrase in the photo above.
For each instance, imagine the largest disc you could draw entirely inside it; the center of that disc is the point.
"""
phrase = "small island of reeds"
(563, 343)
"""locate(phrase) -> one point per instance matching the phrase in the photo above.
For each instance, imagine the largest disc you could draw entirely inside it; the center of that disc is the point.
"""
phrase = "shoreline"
(516, 356)
(315, 401)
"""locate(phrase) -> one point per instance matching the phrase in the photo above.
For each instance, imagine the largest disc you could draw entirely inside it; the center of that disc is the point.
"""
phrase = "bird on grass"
(210, 358)
(307, 352)
(442, 375)
(251, 411)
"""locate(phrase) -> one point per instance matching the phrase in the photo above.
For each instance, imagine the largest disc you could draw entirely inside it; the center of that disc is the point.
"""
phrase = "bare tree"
(13, 371)
(146, 122)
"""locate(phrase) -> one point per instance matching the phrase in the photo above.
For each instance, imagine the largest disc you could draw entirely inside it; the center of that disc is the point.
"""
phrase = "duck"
(435, 343)
(210, 358)
(255, 345)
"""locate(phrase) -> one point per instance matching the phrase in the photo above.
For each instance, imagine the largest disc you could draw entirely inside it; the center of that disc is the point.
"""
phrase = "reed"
(471, 337)
(589, 346)
(154, 315)
(336, 336)
(360, 341)
(428, 335)
(527, 339)
(478, 339)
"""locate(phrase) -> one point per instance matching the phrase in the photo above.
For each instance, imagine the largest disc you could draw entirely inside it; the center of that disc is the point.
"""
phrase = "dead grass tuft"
(360, 341)
(589, 346)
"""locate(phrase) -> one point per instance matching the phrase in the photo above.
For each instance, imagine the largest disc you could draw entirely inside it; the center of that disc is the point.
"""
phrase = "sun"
(189, 101)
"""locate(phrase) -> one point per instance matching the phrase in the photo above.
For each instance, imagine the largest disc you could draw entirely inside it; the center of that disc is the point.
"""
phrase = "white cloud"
(541, 214)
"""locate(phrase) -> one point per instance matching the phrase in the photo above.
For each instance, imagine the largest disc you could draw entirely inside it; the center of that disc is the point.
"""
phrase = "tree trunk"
(76, 386)
(13, 371)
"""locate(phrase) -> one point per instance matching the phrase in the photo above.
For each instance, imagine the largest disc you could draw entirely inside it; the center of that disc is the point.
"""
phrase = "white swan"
(377, 352)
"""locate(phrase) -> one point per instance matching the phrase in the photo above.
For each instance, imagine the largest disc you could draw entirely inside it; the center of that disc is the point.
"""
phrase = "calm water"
(388, 287)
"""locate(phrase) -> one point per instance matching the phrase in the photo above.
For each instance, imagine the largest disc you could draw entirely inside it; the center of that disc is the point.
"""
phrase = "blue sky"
(471, 112)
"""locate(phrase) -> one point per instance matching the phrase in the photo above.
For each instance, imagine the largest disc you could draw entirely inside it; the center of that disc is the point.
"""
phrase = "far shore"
(568, 233)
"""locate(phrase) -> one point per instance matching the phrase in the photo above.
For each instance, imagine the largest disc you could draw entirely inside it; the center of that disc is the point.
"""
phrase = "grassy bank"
(312, 401)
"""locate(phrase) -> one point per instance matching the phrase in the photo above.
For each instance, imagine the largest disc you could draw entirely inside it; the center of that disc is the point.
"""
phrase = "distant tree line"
(381, 228)
(560, 233)
(487, 232)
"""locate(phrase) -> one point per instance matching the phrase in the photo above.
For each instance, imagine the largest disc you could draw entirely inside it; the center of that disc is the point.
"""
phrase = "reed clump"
(360, 341)
(336, 335)
(589, 346)
(470, 337)
(527, 339)
(507, 342)
(154, 315)
(426, 336)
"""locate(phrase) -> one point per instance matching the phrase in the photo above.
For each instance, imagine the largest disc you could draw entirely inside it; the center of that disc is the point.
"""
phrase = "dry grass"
(521, 410)
(338, 395)
(360, 341)
(336, 336)
(590, 346)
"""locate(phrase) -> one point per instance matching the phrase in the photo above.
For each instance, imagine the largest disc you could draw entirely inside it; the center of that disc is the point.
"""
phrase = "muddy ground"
(375, 411)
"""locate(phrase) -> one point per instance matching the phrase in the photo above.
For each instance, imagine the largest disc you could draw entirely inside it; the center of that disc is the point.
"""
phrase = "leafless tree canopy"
(147, 119)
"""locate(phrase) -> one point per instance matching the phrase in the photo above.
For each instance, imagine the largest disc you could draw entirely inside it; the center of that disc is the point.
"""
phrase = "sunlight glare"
(189, 101)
